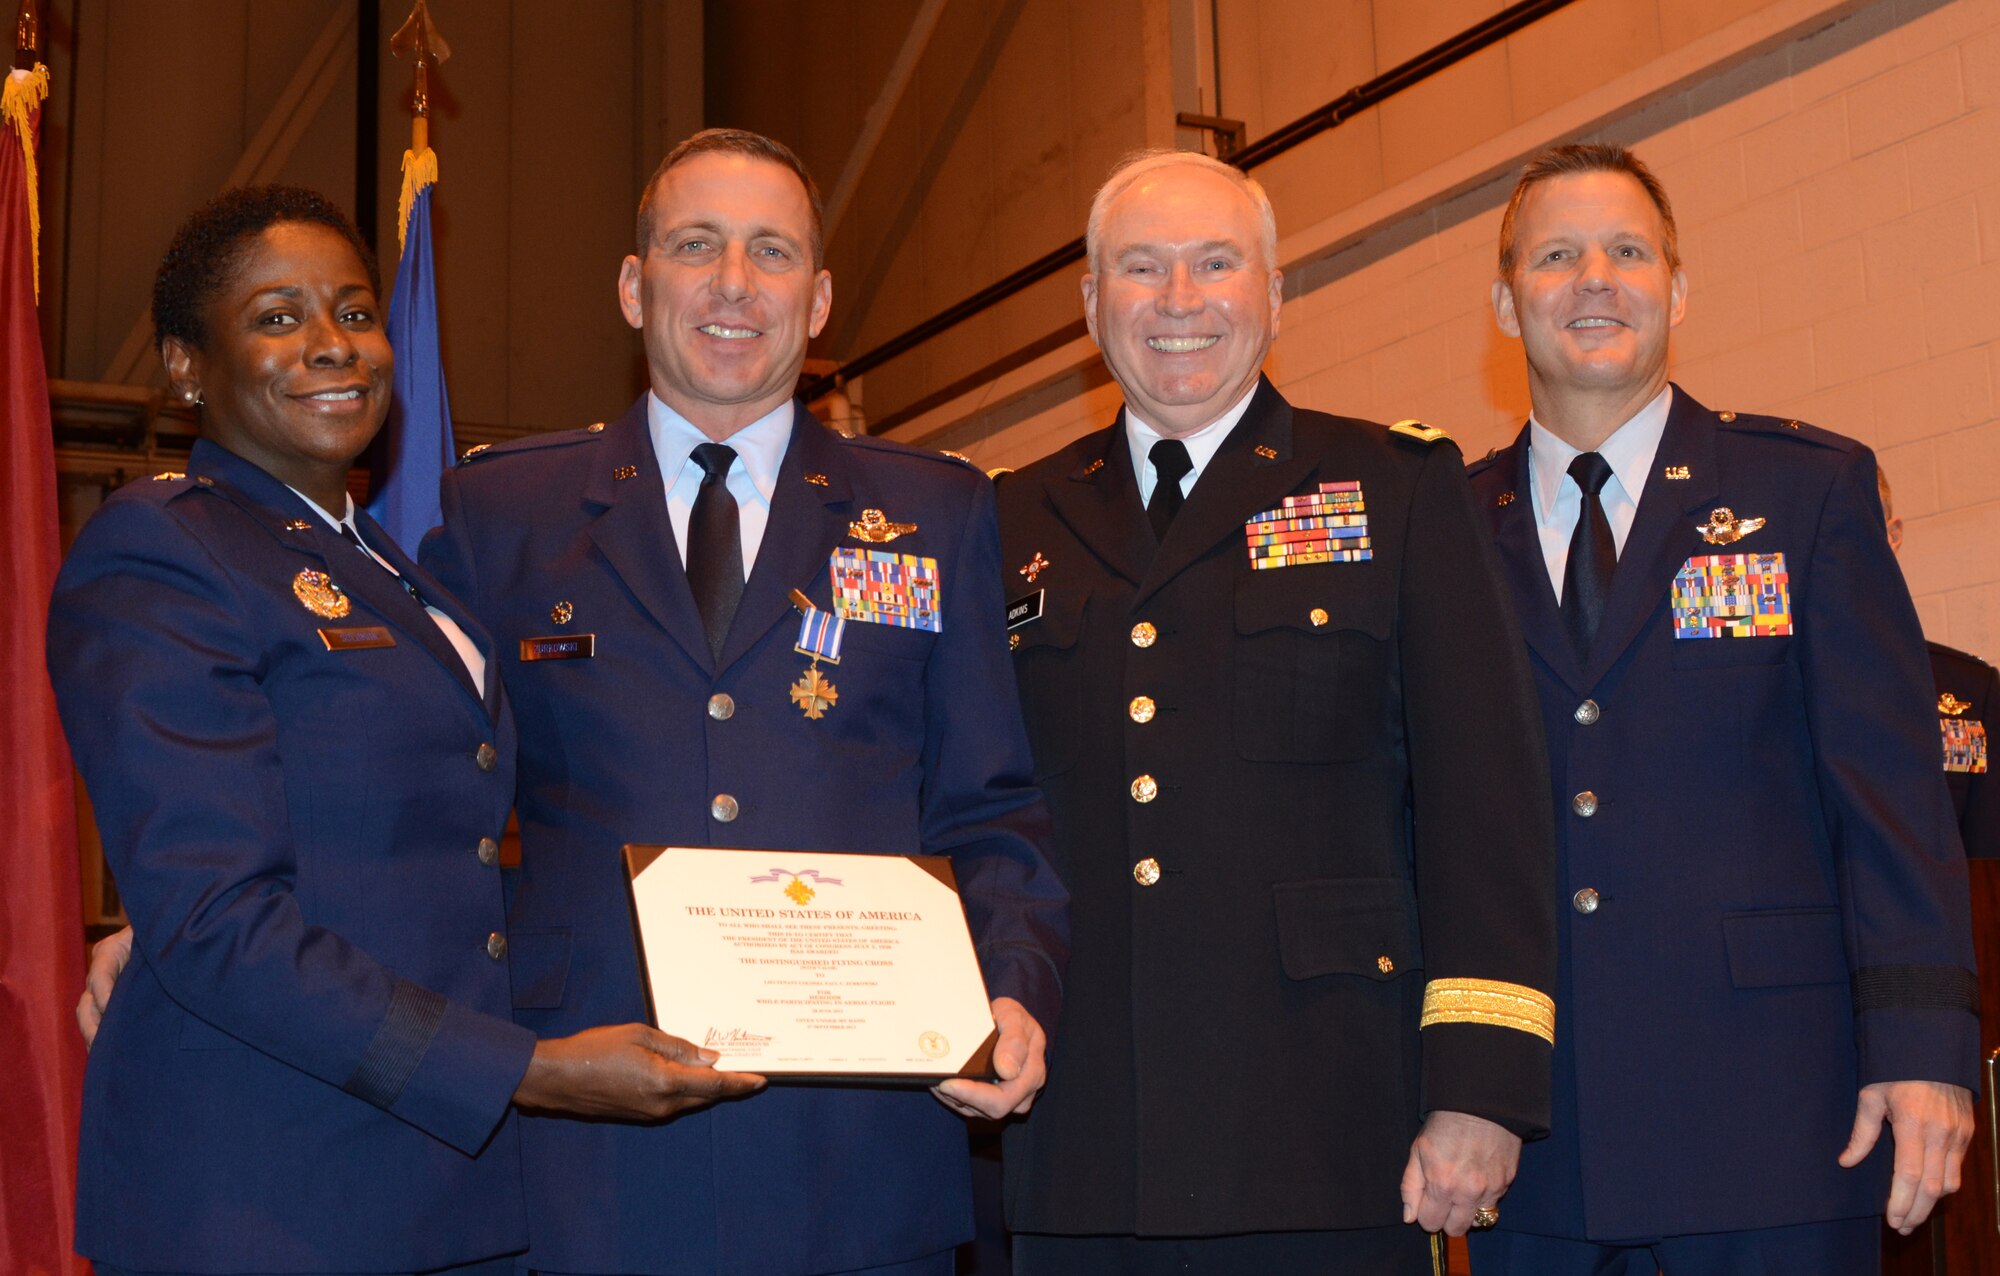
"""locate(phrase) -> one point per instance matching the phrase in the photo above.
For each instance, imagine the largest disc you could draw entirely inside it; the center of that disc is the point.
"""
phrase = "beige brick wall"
(1839, 203)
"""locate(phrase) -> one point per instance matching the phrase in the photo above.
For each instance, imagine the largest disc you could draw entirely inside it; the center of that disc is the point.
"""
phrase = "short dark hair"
(1587, 157)
(209, 245)
(735, 141)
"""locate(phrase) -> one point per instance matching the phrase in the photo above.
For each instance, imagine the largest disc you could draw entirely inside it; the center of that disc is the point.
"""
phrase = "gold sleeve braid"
(1490, 1001)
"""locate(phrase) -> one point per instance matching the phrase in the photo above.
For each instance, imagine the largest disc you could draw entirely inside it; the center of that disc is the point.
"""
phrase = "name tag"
(356, 638)
(560, 647)
(1025, 608)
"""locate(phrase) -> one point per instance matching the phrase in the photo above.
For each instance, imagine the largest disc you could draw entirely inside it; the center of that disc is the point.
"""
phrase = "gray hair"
(1137, 164)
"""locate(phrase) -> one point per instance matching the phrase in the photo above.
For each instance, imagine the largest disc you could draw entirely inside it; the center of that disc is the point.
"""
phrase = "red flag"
(41, 940)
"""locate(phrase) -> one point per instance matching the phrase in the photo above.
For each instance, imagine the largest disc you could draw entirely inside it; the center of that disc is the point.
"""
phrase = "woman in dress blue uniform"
(301, 761)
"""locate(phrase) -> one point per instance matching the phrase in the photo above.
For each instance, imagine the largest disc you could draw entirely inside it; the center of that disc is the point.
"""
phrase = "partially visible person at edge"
(1765, 947)
(1278, 704)
(300, 754)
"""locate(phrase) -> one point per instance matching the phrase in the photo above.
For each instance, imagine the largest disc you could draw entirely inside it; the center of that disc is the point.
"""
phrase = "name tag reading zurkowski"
(559, 647)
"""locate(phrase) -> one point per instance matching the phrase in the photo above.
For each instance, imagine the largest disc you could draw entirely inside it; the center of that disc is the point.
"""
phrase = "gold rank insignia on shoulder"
(320, 595)
(1093, 467)
(1676, 473)
(167, 475)
(1724, 528)
(874, 527)
(960, 457)
(472, 451)
(1951, 704)
(1418, 430)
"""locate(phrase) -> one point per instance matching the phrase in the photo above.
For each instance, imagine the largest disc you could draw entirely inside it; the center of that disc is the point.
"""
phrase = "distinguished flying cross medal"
(320, 595)
(1327, 526)
(819, 637)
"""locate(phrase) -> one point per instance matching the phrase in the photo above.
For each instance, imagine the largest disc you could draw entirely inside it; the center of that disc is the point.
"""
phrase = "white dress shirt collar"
(1201, 445)
(1629, 451)
(759, 446)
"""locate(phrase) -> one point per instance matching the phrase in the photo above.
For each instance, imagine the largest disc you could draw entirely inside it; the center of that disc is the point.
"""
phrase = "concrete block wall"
(1839, 205)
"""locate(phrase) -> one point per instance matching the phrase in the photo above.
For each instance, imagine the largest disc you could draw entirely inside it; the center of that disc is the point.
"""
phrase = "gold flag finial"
(419, 40)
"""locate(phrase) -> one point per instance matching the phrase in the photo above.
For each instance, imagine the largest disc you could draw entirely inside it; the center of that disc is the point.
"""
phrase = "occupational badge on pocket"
(1964, 745)
(1327, 526)
(1733, 596)
(886, 588)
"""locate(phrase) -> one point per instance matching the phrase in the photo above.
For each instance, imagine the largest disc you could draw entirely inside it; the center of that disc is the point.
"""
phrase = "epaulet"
(1416, 429)
(1480, 465)
(531, 443)
(1785, 426)
(1953, 653)
(168, 484)
(960, 457)
(873, 444)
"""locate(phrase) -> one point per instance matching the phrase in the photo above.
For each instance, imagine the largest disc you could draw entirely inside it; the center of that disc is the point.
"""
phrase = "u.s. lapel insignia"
(320, 595)
(1952, 705)
(1093, 467)
(1035, 567)
(625, 472)
(1676, 473)
(817, 480)
(874, 527)
(1268, 453)
(1506, 499)
(1724, 528)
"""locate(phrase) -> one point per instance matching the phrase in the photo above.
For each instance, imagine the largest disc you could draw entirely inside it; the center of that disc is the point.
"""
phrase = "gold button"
(721, 706)
(1588, 713)
(1144, 635)
(1318, 616)
(595, 427)
(1145, 789)
(724, 808)
(1584, 804)
(487, 757)
(1385, 964)
(1142, 708)
(489, 852)
(1013, 642)
(1727, 416)
(496, 945)
(1584, 901)
(1146, 872)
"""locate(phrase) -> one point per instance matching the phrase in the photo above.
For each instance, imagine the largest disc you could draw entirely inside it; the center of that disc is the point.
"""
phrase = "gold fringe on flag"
(24, 91)
(420, 171)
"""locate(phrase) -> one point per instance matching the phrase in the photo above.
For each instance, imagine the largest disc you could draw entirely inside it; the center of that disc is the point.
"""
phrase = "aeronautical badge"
(1724, 528)
(1733, 596)
(886, 588)
(1951, 706)
(320, 595)
(1964, 744)
(1327, 526)
(874, 527)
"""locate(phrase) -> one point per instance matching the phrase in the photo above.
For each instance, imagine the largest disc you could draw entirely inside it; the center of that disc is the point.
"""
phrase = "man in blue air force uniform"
(1765, 945)
(671, 542)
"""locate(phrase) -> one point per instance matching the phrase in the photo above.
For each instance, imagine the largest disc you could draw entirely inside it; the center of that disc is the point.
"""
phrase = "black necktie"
(1593, 554)
(1170, 465)
(354, 539)
(715, 545)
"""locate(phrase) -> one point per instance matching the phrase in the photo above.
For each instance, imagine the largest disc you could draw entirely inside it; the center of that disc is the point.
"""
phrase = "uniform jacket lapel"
(427, 631)
(1253, 470)
(635, 535)
(1663, 531)
(807, 522)
(1518, 539)
(1099, 500)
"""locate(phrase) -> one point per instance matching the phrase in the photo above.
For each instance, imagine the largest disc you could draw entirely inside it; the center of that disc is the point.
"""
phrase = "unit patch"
(886, 588)
(1328, 526)
(1733, 596)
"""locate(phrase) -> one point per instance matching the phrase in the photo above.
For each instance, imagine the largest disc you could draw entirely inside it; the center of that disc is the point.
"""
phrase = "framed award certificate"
(811, 965)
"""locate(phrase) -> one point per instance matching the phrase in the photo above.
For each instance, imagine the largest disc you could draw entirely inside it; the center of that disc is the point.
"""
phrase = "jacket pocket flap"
(1773, 948)
(1312, 604)
(1347, 926)
(1057, 618)
(538, 964)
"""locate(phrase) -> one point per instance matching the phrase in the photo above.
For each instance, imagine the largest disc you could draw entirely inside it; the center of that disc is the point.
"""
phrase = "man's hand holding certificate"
(809, 965)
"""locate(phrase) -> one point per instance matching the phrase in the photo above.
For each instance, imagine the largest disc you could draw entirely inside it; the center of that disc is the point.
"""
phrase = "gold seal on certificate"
(812, 965)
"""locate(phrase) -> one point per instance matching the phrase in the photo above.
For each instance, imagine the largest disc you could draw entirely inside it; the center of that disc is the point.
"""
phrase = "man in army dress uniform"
(1291, 751)
(1765, 944)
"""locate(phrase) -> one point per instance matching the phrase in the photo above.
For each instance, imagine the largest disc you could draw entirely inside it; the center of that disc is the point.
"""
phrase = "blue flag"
(415, 448)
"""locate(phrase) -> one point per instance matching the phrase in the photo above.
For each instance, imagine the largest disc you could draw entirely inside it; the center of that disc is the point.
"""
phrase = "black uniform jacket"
(1330, 775)
(1769, 900)
(1968, 698)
